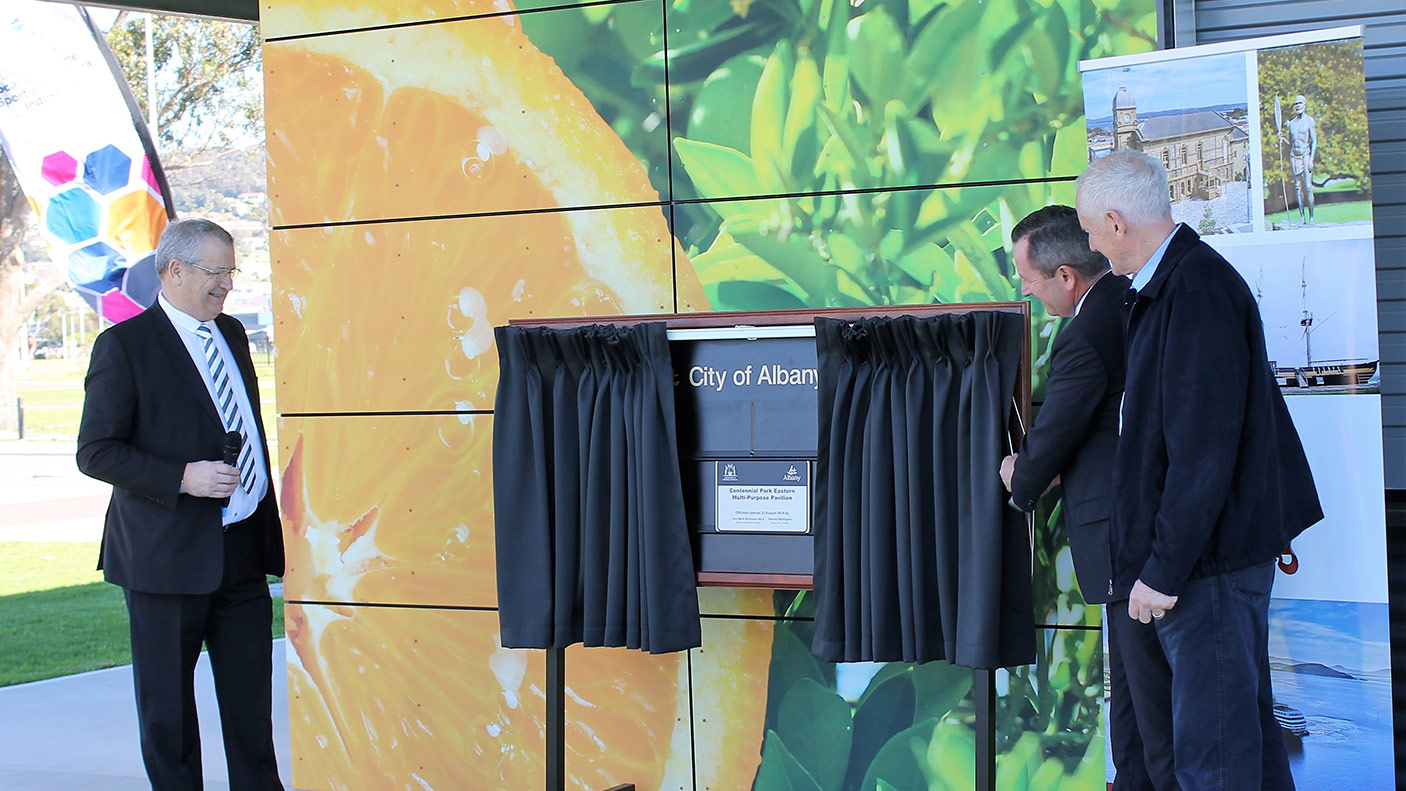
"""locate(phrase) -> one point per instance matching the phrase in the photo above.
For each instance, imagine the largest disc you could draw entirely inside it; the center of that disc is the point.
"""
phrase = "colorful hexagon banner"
(82, 154)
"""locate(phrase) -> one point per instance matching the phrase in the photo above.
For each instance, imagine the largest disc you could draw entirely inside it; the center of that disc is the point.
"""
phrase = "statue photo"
(1302, 139)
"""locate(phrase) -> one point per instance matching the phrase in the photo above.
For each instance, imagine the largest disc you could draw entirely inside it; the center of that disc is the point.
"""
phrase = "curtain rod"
(742, 332)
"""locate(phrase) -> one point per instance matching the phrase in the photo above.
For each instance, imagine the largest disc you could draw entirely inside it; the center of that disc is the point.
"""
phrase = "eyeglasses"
(232, 272)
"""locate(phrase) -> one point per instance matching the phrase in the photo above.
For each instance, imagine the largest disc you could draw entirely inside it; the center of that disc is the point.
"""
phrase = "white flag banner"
(81, 155)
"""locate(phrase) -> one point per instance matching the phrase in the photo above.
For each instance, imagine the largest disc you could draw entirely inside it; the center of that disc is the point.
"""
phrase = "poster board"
(1266, 145)
(746, 396)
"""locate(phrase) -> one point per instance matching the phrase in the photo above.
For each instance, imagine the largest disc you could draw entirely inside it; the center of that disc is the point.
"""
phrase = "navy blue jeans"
(1216, 647)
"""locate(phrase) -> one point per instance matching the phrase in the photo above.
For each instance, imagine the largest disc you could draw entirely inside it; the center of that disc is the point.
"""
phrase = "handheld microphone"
(233, 442)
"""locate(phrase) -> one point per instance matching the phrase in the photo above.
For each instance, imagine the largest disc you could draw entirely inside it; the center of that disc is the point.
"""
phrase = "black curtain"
(593, 545)
(917, 555)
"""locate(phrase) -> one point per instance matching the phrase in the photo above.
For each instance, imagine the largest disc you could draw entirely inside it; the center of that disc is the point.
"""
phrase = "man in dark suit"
(1210, 483)
(1075, 434)
(188, 537)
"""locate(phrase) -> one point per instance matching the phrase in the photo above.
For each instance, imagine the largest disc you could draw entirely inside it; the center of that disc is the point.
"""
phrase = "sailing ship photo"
(1310, 294)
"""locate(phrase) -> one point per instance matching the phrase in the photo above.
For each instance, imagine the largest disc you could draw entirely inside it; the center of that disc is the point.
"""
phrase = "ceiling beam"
(234, 10)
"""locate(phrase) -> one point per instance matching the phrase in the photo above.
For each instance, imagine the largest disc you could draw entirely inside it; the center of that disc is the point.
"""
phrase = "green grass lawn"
(53, 398)
(1326, 214)
(58, 617)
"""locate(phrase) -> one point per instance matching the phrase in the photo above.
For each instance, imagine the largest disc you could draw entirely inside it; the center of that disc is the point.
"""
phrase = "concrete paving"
(79, 733)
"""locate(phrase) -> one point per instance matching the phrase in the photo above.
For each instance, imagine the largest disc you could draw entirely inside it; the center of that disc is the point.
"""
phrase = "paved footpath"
(43, 496)
(79, 732)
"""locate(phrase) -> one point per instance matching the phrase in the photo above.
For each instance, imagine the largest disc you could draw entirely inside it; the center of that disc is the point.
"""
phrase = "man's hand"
(1146, 604)
(210, 479)
(1007, 470)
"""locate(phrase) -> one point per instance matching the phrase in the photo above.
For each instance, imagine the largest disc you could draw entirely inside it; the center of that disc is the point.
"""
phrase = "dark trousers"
(1141, 735)
(1214, 670)
(167, 633)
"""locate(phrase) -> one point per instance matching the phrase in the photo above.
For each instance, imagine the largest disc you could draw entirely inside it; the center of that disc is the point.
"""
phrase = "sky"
(1171, 85)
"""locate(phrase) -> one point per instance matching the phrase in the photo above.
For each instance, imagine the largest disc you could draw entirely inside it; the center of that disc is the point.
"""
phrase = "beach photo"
(1331, 669)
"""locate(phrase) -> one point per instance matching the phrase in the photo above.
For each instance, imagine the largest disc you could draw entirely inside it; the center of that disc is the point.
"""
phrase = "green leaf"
(951, 755)
(722, 110)
(796, 258)
(1071, 150)
(791, 659)
(596, 14)
(806, 89)
(885, 709)
(726, 260)
(923, 265)
(769, 120)
(1058, 32)
(899, 761)
(939, 687)
(696, 60)
(900, 149)
(935, 56)
(740, 295)
(718, 171)
(780, 771)
(818, 730)
(876, 51)
(1049, 774)
(1016, 768)
(850, 140)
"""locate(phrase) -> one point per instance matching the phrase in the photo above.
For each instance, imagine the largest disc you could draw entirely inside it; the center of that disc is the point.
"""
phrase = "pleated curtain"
(917, 556)
(592, 540)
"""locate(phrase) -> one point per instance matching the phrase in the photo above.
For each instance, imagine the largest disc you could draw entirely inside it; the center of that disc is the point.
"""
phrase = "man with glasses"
(188, 536)
(1075, 435)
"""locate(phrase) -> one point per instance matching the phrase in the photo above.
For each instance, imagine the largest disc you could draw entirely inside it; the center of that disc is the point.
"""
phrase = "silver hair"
(1129, 182)
(182, 240)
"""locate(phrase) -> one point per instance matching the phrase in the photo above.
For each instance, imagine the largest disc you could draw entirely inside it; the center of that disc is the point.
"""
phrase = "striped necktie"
(228, 407)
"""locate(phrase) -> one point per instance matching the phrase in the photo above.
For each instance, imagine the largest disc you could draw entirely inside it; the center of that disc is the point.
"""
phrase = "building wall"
(437, 168)
(1385, 52)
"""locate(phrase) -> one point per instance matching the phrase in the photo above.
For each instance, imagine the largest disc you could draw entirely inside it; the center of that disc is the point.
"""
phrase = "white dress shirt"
(241, 504)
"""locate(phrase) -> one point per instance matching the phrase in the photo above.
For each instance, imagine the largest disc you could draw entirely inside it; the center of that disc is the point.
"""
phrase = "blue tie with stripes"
(228, 407)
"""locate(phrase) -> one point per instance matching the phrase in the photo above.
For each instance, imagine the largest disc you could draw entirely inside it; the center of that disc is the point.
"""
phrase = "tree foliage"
(1329, 75)
(208, 79)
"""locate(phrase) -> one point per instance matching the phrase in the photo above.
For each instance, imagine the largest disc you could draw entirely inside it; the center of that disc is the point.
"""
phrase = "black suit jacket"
(147, 413)
(1075, 434)
(1210, 474)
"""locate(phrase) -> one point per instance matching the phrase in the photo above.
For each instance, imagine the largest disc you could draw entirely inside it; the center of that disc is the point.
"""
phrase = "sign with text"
(763, 496)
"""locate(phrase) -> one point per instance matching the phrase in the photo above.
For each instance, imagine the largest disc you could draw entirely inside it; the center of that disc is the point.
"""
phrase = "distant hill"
(1228, 110)
(1309, 669)
(213, 182)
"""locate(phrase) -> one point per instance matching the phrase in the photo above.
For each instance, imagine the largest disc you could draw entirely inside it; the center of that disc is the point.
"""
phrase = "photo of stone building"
(1202, 149)
(1195, 118)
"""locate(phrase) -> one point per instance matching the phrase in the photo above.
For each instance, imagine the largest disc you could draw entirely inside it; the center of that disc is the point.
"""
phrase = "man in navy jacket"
(1074, 438)
(1210, 483)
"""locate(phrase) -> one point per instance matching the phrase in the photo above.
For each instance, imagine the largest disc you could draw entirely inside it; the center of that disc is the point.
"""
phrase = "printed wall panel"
(400, 316)
(394, 698)
(629, 719)
(431, 179)
(390, 509)
(313, 18)
(1049, 716)
(377, 124)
